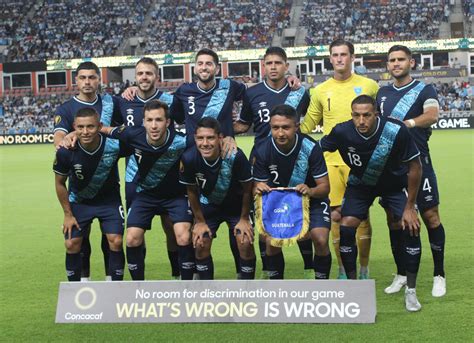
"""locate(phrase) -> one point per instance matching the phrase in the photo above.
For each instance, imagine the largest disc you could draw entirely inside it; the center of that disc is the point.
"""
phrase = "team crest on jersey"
(262, 104)
(108, 160)
(190, 98)
(351, 149)
(383, 148)
(57, 120)
(358, 90)
(129, 111)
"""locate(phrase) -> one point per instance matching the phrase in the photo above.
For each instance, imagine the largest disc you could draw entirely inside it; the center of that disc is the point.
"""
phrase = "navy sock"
(86, 256)
(104, 244)
(173, 256)
(235, 250)
(437, 239)
(116, 264)
(276, 266)
(396, 243)
(348, 250)
(186, 261)
(412, 255)
(322, 266)
(205, 268)
(262, 246)
(73, 266)
(247, 269)
(306, 250)
(136, 262)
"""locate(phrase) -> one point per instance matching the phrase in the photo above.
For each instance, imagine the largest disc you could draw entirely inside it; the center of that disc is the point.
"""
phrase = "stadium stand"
(371, 21)
(71, 28)
(188, 25)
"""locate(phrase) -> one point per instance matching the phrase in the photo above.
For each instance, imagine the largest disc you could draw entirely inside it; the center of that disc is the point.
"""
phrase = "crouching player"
(94, 192)
(219, 190)
(157, 148)
(384, 161)
(291, 159)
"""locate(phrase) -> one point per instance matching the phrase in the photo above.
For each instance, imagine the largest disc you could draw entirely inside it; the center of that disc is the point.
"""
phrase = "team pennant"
(283, 215)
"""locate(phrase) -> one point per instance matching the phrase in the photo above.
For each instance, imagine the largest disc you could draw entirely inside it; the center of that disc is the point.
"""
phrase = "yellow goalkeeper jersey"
(331, 103)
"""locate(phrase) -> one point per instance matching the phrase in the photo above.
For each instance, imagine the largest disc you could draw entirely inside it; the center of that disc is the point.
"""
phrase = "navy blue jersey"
(64, 117)
(131, 112)
(93, 176)
(191, 103)
(158, 167)
(378, 160)
(389, 105)
(260, 99)
(303, 164)
(219, 182)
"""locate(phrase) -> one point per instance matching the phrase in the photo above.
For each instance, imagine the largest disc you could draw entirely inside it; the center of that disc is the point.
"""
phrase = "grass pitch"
(32, 264)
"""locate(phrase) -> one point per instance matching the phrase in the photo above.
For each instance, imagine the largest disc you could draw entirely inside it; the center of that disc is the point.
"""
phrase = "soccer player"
(384, 162)
(88, 82)
(257, 103)
(157, 149)
(219, 190)
(131, 113)
(94, 192)
(416, 104)
(331, 104)
(290, 159)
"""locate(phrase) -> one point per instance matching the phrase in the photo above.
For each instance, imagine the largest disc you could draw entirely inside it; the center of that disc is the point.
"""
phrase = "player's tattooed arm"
(129, 93)
(243, 229)
(70, 221)
(228, 147)
(410, 218)
(200, 229)
(240, 127)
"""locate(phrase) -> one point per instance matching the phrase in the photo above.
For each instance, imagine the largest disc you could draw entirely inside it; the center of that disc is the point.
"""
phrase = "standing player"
(87, 81)
(94, 192)
(219, 190)
(331, 104)
(157, 149)
(131, 113)
(257, 103)
(291, 159)
(378, 151)
(416, 104)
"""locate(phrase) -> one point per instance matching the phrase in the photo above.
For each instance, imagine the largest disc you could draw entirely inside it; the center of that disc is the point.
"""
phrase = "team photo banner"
(218, 301)
(26, 138)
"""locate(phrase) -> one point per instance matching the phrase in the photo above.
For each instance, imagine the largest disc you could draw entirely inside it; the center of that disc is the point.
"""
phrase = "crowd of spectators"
(371, 21)
(455, 96)
(188, 25)
(29, 114)
(55, 29)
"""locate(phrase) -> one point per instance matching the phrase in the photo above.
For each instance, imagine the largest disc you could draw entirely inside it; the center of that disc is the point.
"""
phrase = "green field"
(32, 264)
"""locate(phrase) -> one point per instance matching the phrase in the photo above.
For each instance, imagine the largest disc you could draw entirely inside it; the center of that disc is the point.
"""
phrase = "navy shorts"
(145, 207)
(428, 196)
(319, 214)
(130, 193)
(110, 215)
(357, 201)
(215, 215)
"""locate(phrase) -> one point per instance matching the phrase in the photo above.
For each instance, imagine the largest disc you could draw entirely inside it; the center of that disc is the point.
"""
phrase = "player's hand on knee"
(411, 221)
(129, 93)
(228, 147)
(200, 231)
(244, 229)
(69, 141)
(69, 224)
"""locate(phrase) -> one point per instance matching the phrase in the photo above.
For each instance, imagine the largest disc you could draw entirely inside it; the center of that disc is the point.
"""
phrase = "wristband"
(411, 123)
